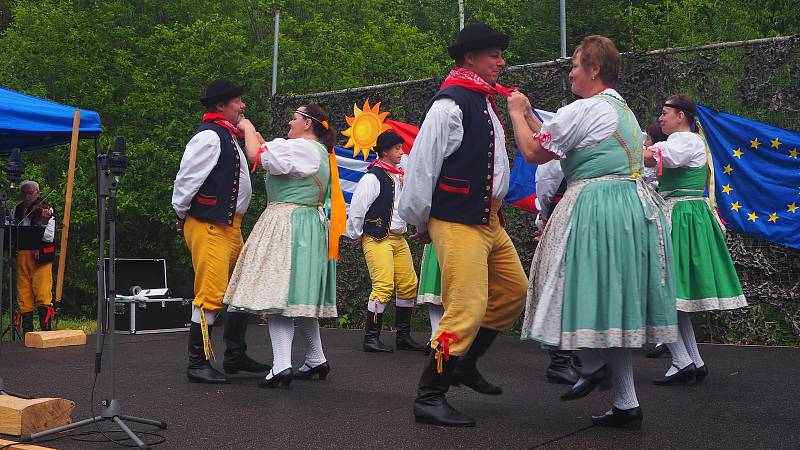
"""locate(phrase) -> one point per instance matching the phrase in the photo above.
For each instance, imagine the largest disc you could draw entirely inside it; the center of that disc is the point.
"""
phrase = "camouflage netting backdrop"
(758, 80)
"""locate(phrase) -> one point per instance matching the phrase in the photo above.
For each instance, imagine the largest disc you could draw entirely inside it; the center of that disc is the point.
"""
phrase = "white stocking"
(687, 336)
(619, 361)
(309, 329)
(435, 312)
(281, 333)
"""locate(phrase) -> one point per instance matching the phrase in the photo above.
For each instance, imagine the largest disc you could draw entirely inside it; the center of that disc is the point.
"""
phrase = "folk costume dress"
(602, 275)
(284, 267)
(705, 278)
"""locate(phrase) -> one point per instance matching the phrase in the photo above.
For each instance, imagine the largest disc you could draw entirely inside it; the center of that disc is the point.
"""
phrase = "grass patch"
(87, 325)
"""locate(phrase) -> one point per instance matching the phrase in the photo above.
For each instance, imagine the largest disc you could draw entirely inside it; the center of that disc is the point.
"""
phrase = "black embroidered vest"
(463, 192)
(379, 215)
(217, 197)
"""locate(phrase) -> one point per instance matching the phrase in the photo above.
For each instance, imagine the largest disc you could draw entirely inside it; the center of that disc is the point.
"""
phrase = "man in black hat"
(373, 220)
(458, 174)
(210, 196)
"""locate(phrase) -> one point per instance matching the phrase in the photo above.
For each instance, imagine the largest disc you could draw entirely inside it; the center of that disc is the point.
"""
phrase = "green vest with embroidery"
(310, 191)
(618, 154)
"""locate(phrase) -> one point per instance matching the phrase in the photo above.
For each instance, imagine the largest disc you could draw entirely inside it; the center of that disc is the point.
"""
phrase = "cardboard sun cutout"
(365, 126)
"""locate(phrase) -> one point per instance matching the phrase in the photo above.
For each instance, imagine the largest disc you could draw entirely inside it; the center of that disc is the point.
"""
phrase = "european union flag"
(757, 175)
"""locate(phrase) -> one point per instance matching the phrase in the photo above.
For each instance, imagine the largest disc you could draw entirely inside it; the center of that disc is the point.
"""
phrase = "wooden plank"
(73, 155)
(13, 445)
(58, 338)
(20, 416)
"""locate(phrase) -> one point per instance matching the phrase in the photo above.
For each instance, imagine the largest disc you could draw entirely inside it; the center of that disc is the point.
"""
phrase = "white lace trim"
(711, 304)
(429, 298)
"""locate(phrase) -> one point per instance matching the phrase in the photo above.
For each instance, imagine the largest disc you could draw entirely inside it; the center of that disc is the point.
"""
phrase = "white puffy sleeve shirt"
(295, 158)
(439, 137)
(366, 192)
(581, 124)
(681, 149)
(201, 155)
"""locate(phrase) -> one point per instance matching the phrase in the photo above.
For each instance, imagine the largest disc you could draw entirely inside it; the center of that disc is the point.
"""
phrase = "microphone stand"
(109, 169)
(14, 170)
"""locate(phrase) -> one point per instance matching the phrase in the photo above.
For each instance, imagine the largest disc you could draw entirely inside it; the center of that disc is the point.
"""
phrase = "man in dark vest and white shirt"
(373, 220)
(457, 177)
(211, 194)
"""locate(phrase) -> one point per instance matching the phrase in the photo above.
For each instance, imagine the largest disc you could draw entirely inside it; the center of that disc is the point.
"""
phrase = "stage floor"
(750, 399)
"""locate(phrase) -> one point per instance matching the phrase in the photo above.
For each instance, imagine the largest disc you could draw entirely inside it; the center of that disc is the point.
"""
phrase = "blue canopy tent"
(30, 123)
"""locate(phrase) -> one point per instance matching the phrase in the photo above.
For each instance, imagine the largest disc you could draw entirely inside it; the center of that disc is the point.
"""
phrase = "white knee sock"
(680, 357)
(619, 361)
(309, 328)
(435, 312)
(281, 333)
(687, 336)
(211, 316)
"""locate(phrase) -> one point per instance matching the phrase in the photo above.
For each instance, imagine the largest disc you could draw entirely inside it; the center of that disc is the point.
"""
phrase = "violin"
(39, 212)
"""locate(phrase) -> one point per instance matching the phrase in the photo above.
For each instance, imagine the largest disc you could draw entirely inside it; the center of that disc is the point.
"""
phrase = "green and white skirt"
(430, 278)
(602, 275)
(705, 278)
(283, 267)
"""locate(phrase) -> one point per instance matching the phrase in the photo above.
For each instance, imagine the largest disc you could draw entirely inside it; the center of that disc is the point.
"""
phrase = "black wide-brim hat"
(220, 91)
(477, 36)
(386, 140)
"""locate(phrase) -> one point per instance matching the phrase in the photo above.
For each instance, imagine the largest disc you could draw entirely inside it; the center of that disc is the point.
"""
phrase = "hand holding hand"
(179, 226)
(422, 238)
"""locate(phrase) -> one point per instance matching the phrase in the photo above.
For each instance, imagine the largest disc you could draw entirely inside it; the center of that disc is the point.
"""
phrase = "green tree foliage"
(143, 66)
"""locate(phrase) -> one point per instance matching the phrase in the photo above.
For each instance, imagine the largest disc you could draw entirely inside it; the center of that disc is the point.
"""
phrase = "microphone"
(119, 160)
(14, 168)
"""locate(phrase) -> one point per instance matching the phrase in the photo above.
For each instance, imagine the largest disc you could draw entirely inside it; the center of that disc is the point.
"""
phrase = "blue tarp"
(30, 123)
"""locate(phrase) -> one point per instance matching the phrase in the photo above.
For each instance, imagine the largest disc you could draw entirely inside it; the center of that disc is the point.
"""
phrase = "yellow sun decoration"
(365, 127)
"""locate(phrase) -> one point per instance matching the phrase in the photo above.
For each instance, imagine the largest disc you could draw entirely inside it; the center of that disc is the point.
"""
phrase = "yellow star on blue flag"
(764, 184)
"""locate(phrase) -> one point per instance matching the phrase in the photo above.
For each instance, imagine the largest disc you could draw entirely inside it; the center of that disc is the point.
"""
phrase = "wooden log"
(13, 445)
(58, 338)
(20, 416)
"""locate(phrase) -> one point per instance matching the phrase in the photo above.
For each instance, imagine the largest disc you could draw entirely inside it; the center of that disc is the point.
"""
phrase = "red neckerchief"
(468, 79)
(220, 120)
(387, 167)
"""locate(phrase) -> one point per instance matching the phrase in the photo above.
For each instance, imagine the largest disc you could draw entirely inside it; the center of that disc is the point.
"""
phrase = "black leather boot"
(372, 335)
(200, 370)
(560, 370)
(235, 346)
(630, 419)
(466, 371)
(27, 321)
(403, 322)
(431, 405)
(44, 321)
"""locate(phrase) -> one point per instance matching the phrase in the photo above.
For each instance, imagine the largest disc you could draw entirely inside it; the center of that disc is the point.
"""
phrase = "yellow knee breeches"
(34, 282)
(215, 248)
(390, 267)
(483, 283)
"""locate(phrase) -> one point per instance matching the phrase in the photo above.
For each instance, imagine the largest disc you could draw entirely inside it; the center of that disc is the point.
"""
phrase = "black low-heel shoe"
(629, 419)
(657, 351)
(279, 380)
(587, 383)
(681, 376)
(700, 373)
(321, 370)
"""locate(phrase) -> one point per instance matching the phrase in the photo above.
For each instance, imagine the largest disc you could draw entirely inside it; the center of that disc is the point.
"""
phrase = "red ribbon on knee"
(443, 348)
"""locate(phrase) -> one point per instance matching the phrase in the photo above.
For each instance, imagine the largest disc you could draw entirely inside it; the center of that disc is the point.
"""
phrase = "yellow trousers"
(483, 283)
(215, 248)
(34, 282)
(391, 268)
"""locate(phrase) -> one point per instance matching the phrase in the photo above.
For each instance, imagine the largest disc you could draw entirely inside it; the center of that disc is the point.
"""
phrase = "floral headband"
(324, 123)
